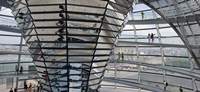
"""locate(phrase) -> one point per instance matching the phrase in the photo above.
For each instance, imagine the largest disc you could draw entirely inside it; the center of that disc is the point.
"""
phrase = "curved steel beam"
(129, 43)
(134, 84)
(176, 70)
(176, 30)
(6, 15)
(190, 18)
(9, 29)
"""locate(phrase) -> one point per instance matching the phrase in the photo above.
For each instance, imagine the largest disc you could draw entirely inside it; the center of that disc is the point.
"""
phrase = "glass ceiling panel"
(140, 7)
(167, 32)
(145, 26)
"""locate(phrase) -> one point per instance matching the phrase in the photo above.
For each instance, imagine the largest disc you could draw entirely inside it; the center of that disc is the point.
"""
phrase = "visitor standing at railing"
(181, 89)
(39, 86)
(149, 37)
(34, 88)
(165, 85)
(15, 90)
(122, 56)
(16, 69)
(119, 56)
(142, 13)
(30, 87)
(152, 37)
(21, 70)
(25, 86)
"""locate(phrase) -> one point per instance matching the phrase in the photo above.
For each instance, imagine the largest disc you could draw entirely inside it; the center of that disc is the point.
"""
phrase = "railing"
(15, 73)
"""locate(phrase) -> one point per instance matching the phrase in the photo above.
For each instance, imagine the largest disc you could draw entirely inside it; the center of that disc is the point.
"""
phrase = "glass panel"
(177, 62)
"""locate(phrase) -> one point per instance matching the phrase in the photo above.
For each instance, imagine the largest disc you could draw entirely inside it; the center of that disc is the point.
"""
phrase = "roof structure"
(101, 45)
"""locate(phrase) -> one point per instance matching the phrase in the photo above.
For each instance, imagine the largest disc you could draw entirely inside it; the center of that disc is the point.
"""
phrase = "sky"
(6, 20)
(148, 15)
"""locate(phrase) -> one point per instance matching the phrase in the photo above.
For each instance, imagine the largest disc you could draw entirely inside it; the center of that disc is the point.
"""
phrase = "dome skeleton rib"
(176, 30)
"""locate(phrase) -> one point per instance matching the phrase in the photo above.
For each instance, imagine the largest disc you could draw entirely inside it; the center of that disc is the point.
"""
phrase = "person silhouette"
(181, 89)
(149, 37)
(11, 90)
(152, 37)
(21, 70)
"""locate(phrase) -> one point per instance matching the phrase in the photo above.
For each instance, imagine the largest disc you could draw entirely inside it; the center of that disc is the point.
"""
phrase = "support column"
(193, 85)
(191, 69)
(113, 57)
(161, 47)
(115, 70)
(19, 58)
(137, 51)
(139, 80)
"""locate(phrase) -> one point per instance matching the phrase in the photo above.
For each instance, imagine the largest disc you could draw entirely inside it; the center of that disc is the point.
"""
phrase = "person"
(122, 56)
(41, 87)
(30, 87)
(38, 88)
(21, 70)
(165, 84)
(152, 37)
(25, 86)
(35, 88)
(181, 89)
(149, 38)
(119, 56)
(142, 13)
(15, 90)
(16, 69)
(11, 90)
